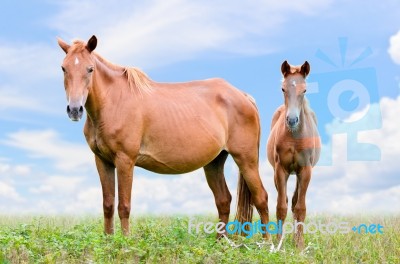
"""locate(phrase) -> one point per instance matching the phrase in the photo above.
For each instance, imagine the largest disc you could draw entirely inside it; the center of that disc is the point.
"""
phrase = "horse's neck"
(104, 90)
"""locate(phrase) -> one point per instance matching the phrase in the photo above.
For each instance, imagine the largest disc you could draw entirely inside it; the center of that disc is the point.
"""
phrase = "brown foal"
(293, 145)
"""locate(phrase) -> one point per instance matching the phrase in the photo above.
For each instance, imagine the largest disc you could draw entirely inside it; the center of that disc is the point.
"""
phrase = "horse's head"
(294, 88)
(78, 67)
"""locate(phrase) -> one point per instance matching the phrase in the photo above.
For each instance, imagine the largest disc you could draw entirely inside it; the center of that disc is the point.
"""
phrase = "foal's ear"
(64, 46)
(285, 68)
(92, 43)
(305, 69)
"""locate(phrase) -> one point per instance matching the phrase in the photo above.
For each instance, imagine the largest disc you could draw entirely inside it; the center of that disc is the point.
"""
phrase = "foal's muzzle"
(75, 112)
(292, 122)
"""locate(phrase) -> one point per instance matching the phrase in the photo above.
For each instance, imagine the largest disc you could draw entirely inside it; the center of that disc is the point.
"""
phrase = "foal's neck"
(304, 121)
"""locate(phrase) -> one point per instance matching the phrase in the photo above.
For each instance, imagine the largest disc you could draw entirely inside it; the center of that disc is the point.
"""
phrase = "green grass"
(166, 240)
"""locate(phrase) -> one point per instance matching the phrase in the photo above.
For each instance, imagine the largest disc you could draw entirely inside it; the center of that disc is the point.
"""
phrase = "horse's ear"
(64, 46)
(285, 68)
(92, 43)
(305, 69)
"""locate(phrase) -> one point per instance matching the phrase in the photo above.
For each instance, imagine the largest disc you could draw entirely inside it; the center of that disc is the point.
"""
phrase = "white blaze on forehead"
(76, 61)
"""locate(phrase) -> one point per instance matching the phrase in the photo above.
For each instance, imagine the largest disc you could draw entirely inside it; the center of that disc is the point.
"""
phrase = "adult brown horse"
(294, 144)
(168, 128)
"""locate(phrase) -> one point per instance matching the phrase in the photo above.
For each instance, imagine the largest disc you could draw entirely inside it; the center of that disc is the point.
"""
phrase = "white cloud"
(11, 98)
(89, 199)
(362, 186)
(57, 184)
(8, 192)
(17, 170)
(29, 70)
(29, 61)
(155, 33)
(394, 47)
(166, 194)
(47, 144)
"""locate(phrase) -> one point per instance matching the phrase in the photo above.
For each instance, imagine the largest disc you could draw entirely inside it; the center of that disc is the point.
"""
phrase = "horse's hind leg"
(216, 180)
(299, 210)
(248, 167)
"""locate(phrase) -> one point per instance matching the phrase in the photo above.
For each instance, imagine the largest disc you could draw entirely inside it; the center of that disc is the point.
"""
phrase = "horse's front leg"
(303, 179)
(107, 178)
(124, 166)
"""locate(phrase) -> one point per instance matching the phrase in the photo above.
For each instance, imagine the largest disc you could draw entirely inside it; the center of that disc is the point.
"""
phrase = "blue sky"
(46, 166)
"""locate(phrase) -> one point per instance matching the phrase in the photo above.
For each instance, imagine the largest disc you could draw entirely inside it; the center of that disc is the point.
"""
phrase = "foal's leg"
(280, 183)
(299, 211)
(125, 175)
(295, 195)
(216, 180)
(107, 179)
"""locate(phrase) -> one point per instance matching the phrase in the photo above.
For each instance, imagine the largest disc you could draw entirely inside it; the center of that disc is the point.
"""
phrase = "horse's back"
(208, 98)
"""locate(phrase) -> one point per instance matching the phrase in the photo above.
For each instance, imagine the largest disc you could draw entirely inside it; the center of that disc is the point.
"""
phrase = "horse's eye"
(90, 69)
(283, 90)
(305, 91)
(62, 68)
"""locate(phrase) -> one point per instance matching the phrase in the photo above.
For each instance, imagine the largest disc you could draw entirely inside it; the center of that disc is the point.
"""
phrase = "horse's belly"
(177, 162)
(174, 149)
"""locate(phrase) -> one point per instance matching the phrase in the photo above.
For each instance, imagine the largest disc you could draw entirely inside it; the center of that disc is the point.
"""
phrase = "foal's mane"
(295, 69)
(136, 77)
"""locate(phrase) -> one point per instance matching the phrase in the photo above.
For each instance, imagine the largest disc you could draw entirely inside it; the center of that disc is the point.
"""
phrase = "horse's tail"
(244, 208)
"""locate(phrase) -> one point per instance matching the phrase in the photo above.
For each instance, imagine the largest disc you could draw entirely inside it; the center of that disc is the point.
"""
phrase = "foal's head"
(294, 88)
(78, 67)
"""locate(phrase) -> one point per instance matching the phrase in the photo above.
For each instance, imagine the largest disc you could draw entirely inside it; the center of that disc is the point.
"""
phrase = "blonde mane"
(295, 69)
(136, 77)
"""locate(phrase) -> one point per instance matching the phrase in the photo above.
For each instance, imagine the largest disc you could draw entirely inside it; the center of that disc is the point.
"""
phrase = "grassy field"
(166, 240)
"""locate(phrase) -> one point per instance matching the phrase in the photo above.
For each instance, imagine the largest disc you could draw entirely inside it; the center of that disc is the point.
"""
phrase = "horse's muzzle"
(75, 113)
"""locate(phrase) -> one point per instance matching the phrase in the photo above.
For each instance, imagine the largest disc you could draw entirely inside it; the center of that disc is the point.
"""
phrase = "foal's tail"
(244, 209)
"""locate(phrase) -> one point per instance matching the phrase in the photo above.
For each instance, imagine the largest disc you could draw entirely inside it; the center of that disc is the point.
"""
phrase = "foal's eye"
(283, 90)
(90, 69)
(62, 68)
(305, 91)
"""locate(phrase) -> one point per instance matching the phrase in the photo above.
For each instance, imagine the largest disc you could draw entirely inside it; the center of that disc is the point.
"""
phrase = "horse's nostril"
(81, 109)
(297, 120)
(68, 109)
